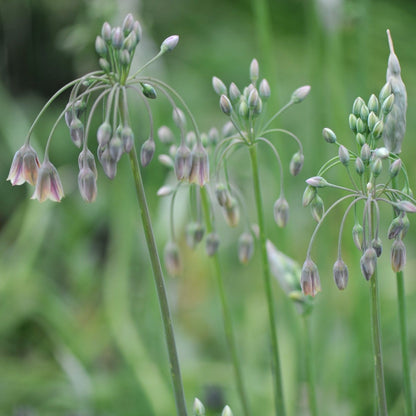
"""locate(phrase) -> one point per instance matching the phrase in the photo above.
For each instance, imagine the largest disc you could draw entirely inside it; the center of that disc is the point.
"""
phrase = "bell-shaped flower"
(48, 184)
(25, 166)
(200, 166)
(87, 184)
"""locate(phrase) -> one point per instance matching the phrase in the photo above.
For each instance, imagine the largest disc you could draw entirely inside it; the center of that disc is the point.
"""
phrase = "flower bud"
(212, 242)
(169, 43)
(406, 226)
(357, 235)
(329, 135)
(385, 92)
(147, 151)
(228, 129)
(128, 24)
(254, 71)
(165, 135)
(130, 42)
(243, 109)
(344, 155)
(166, 160)
(360, 126)
(104, 133)
(373, 104)
(378, 129)
(194, 234)
(352, 122)
(191, 139)
(281, 211)
(86, 160)
(395, 168)
(100, 46)
(76, 130)
(179, 118)
(356, 107)
(107, 162)
(225, 105)
(219, 86)
(309, 279)
(296, 163)
(198, 408)
(104, 65)
(398, 255)
(117, 38)
(137, 29)
(213, 137)
(360, 139)
(87, 184)
(258, 108)
(245, 247)
(165, 190)
(317, 208)
(317, 182)
(106, 32)
(127, 137)
(405, 206)
(148, 91)
(372, 120)
(226, 411)
(359, 166)
(368, 262)
(395, 227)
(382, 153)
(340, 271)
(232, 213)
(48, 183)
(308, 195)
(376, 166)
(300, 94)
(222, 194)
(387, 105)
(377, 246)
(116, 148)
(253, 98)
(200, 166)
(234, 92)
(264, 89)
(183, 162)
(172, 259)
(365, 153)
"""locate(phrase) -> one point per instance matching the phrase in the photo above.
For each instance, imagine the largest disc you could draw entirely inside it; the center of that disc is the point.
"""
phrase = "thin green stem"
(310, 376)
(160, 286)
(226, 314)
(276, 370)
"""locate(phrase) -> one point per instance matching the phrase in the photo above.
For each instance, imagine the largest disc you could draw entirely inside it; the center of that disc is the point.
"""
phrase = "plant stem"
(160, 286)
(377, 350)
(278, 390)
(226, 314)
(310, 378)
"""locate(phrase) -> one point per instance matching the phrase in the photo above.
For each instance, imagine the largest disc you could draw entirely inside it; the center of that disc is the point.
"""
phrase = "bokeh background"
(80, 330)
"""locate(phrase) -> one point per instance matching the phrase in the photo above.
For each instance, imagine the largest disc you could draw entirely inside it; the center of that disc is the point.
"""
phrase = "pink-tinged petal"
(15, 174)
(24, 167)
(48, 184)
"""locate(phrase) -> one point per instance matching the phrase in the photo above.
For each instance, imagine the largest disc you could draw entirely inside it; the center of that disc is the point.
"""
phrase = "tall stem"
(226, 314)
(160, 286)
(377, 350)
(310, 378)
(278, 390)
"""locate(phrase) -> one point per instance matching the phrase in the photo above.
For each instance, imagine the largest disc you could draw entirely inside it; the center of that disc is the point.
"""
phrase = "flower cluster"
(108, 88)
(373, 172)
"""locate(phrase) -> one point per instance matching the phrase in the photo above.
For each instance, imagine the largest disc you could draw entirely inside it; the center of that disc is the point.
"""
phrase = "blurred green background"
(80, 330)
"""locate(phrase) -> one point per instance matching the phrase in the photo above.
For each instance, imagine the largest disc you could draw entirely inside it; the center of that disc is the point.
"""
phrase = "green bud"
(125, 57)
(398, 255)
(387, 105)
(117, 38)
(357, 235)
(254, 71)
(243, 109)
(165, 190)
(76, 130)
(264, 89)
(376, 166)
(147, 151)
(198, 408)
(104, 65)
(100, 46)
(308, 195)
(317, 208)
(384, 92)
(360, 138)
(128, 24)
(381, 153)
(169, 43)
(395, 168)
(281, 212)
(130, 42)
(372, 120)
(258, 108)
(361, 127)
(148, 91)
(378, 129)
(245, 247)
(368, 263)
(179, 118)
(234, 92)
(253, 98)
(106, 32)
(373, 104)
(340, 271)
(364, 113)
(395, 227)
(359, 166)
(329, 135)
(300, 94)
(137, 29)
(356, 107)
(296, 163)
(219, 86)
(225, 105)
(344, 155)
(352, 121)
(227, 411)
(365, 153)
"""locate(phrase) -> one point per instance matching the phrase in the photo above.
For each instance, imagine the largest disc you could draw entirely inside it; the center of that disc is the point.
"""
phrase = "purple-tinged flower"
(200, 166)
(87, 184)
(309, 279)
(48, 184)
(25, 166)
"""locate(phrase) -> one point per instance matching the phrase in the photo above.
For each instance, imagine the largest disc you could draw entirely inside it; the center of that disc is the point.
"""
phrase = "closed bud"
(76, 130)
(264, 89)
(329, 135)
(360, 126)
(296, 163)
(104, 65)
(179, 117)
(104, 133)
(147, 151)
(357, 235)
(100, 46)
(165, 135)
(398, 255)
(300, 94)
(317, 208)
(137, 29)
(107, 162)
(232, 213)
(309, 279)
(200, 166)
(124, 57)
(378, 129)
(194, 234)
(166, 160)
(406, 225)
(365, 153)
(340, 271)
(183, 162)
(106, 32)
(86, 160)
(212, 242)
(253, 98)
(219, 86)
(191, 139)
(360, 139)
(172, 259)
(87, 184)
(377, 246)
(308, 195)
(359, 166)
(373, 104)
(128, 24)
(245, 247)
(258, 108)
(356, 107)
(364, 113)
(116, 148)
(376, 166)
(226, 411)
(317, 182)
(165, 190)
(281, 211)
(228, 129)
(149, 91)
(225, 105)
(372, 120)
(234, 92)
(243, 109)
(352, 122)
(368, 263)
(254, 71)
(130, 42)
(395, 168)
(387, 105)
(117, 38)
(382, 153)
(198, 408)
(169, 43)
(222, 194)
(405, 206)
(344, 155)
(213, 136)
(385, 92)
(127, 137)
(395, 227)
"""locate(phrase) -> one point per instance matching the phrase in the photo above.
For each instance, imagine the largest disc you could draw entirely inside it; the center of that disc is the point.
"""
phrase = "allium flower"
(309, 279)
(87, 184)
(48, 184)
(200, 166)
(24, 167)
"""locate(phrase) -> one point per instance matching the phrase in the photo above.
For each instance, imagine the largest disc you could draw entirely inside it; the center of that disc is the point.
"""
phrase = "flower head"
(24, 167)
(48, 184)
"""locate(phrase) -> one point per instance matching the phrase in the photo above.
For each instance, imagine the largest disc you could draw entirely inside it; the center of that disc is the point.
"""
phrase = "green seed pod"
(365, 153)
(352, 122)
(212, 242)
(264, 89)
(219, 86)
(359, 166)
(245, 247)
(358, 235)
(361, 127)
(329, 135)
(147, 151)
(225, 105)
(376, 166)
(356, 107)
(377, 246)
(172, 259)
(384, 92)
(198, 408)
(378, 129)
(308, 195)
(254, 71)
(395, 168)
(340, 271)
(344, 155)
(100, 46)
(398, 255)
(368, 263)
(372, 120)
(234, 92)
(317, 208)
(296, 163)
(148, 91)
(360, 138)
(281, 212)
(373, 104)
(364, 113)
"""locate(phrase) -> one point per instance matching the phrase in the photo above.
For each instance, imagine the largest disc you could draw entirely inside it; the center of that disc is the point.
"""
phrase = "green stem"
(310, 378)
(160, 286)
(377, 350)
(278, 390)
(226, 314)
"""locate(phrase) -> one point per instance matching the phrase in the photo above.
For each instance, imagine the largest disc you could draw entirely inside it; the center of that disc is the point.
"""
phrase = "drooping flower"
(48, 184)
(25, 166)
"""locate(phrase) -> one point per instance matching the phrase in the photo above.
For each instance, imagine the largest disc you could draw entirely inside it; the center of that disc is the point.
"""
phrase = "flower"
(309, 279)
(48, 184)
(25, 166)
